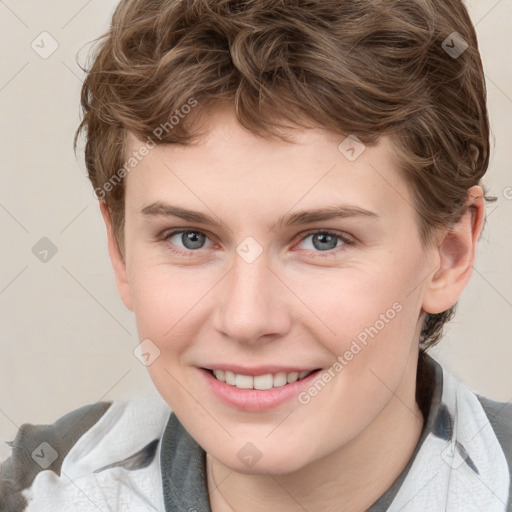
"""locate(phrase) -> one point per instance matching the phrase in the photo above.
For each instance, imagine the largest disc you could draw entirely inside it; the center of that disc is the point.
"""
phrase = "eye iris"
(323, 237)
(195, 240)
(191, 237)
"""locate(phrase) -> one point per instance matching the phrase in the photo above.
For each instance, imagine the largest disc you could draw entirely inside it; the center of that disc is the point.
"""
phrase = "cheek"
(368, 316)
(371, 351)
(166, 306)
(165, 303)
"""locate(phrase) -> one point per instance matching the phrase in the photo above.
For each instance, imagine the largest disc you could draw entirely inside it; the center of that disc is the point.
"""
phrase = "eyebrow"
(160, 209)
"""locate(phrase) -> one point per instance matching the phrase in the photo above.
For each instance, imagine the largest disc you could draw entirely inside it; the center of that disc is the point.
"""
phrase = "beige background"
(66, 337)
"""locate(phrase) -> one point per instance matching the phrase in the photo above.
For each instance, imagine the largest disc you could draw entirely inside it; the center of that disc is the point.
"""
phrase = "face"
(259, 289)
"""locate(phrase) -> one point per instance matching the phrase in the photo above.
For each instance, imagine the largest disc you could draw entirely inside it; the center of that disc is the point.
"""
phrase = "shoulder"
(90, 439)
(499, 415)
(38, 447)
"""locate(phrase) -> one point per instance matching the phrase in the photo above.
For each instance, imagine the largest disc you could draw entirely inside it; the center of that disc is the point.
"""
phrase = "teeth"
(244, 381)
(261, 382)
(292, 377)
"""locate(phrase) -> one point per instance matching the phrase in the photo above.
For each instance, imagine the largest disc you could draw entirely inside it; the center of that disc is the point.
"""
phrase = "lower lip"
(255, 400)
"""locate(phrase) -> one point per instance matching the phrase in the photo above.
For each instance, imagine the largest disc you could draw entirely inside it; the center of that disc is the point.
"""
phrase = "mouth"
(260, 382)
(266, 389)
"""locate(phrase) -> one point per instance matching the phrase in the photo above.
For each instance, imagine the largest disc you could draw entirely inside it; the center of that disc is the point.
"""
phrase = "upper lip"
(254, 371)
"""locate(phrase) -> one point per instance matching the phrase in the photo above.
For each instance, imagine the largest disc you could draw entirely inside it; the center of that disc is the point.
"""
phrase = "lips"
(256, 400)
(254, 371)
(260, 382)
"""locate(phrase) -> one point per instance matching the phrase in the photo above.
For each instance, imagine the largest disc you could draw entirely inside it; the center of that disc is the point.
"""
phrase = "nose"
(252, 303)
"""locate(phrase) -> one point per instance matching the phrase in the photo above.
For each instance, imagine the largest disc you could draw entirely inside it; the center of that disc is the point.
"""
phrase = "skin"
(292, 305)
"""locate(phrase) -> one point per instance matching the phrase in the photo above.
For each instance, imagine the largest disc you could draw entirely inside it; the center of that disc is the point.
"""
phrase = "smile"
(267, 388)
(261, 382)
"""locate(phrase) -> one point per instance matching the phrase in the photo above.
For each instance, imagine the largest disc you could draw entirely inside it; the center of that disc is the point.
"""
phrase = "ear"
(123, 285)
(455, 256)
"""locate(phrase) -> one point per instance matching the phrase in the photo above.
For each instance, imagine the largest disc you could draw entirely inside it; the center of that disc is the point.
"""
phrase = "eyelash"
(346, 241)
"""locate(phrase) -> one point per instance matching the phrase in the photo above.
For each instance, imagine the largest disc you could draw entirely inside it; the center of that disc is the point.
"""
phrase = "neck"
(355, 475)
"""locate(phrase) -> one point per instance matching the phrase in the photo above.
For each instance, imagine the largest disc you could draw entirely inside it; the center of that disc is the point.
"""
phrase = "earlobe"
(118, 263)
(455, 257)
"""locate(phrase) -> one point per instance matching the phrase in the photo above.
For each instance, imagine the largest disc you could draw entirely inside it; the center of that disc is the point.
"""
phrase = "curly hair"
(362, 67)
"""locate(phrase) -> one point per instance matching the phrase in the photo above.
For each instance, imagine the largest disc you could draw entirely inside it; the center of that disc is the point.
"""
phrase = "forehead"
(232, 163)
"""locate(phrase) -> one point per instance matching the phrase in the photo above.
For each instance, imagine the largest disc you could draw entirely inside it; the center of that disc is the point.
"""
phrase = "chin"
(275, 463)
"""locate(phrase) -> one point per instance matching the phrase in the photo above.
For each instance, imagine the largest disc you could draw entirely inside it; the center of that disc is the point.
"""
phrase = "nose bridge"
(250, 306)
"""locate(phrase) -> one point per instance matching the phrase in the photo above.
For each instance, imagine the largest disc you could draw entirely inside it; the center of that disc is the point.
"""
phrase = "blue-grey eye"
(323, 241)
(190, 239)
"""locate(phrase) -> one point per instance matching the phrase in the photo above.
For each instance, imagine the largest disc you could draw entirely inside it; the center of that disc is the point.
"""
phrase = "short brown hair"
(361, 67)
